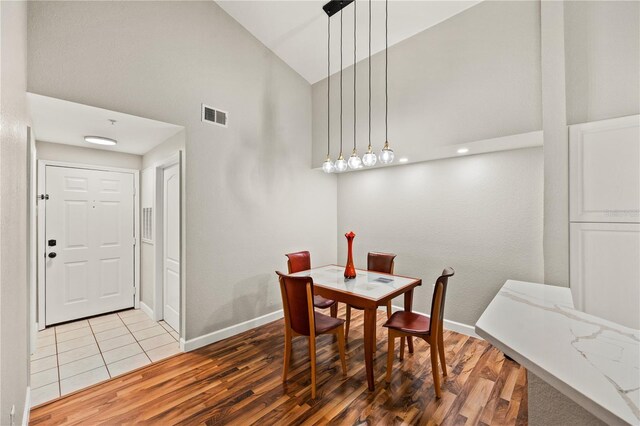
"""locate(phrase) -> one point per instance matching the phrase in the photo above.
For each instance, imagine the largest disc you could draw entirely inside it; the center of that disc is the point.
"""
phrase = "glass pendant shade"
(354, 161)
(328, 166)
(341, 164)
(386, 155)
(370, 158)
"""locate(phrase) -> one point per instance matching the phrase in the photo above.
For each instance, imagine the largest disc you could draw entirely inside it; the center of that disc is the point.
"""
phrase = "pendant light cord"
(328, 86)
(386, 70)
(355, 10)
(369, 74)
(340, 82)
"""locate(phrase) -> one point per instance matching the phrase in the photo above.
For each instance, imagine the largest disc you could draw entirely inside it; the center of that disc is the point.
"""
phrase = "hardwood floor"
(238, 381)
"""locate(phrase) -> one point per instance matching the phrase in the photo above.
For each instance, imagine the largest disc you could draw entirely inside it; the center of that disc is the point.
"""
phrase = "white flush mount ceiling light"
(463, 150)
(100, 140)
(403, 160)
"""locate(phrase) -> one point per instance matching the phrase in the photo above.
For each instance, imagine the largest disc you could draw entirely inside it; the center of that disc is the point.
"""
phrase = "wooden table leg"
(408, 304)
(369, 341)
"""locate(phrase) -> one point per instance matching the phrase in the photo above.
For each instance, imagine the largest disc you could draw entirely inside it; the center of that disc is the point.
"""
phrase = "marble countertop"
(593, 361)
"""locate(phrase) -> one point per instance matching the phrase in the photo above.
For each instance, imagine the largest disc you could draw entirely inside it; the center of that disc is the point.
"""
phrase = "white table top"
(371, 285)
(594, 362)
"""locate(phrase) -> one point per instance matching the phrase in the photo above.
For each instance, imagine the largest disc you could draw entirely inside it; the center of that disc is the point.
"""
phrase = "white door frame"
(158, 299)
(42, 164)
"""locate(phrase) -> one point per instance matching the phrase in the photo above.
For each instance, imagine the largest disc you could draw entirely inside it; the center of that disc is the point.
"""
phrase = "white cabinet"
(604, 171)
(605, 270)
(604, 185)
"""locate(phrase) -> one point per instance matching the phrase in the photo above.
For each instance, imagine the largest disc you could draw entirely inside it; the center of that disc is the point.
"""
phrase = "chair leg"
(347, 322)
(287, 355)
(434, 368)
(312, 356)
(389, 309)
(441, 352)
(334, 310)
(402, 340)
(390, 355)
(341, 349)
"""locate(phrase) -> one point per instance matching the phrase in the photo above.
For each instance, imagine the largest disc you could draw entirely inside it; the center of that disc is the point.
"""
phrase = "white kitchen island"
(593, 362)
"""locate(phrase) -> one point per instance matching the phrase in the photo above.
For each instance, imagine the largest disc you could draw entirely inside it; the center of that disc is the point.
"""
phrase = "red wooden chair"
(409, 324)
(301, 319)
(301, 261)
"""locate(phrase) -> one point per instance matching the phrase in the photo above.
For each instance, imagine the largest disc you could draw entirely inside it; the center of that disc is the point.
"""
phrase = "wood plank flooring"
(238, 382)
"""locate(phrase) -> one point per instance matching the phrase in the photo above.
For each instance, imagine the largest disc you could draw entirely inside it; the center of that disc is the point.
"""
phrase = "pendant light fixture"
(370, 158)
(341, 163)
(386, 155)
(354, 161)
(328, 166)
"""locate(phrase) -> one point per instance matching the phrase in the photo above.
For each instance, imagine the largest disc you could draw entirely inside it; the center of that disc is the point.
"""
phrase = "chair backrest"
(437, 302)
(380, 262)
(297, 301)
(299, 261)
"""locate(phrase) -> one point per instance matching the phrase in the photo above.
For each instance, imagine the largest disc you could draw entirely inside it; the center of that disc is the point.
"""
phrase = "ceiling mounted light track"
(335, 6)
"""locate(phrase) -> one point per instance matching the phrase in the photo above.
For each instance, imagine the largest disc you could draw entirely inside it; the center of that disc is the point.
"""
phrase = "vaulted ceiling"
(296, 31)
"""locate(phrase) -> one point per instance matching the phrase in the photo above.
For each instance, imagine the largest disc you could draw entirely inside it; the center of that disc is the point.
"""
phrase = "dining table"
(368, 290)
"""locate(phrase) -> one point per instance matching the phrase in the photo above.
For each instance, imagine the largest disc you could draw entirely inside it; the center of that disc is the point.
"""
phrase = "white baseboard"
(27, 407)
(146, 309)
(458, 327)
(216, 336)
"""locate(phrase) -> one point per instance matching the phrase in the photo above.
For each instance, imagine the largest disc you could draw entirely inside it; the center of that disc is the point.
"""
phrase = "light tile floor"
(78, 354)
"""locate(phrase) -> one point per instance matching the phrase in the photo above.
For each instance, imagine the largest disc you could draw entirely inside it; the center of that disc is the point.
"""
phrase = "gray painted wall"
(602, 59)
(480, 214)
(250, 195)
(472, 77)
(90, 156)
(14, 330)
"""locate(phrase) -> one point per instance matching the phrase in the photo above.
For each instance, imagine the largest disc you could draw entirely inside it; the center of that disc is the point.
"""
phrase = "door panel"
(90, 214)
(605, 276)
(604, 172)
(171, 261)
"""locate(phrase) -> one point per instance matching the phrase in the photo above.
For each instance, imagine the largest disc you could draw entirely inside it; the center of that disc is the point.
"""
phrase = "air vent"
(214, 116)
(147, 224)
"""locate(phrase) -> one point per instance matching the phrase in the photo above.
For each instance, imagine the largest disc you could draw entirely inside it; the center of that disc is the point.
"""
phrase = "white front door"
(171, 247)
(89, 243)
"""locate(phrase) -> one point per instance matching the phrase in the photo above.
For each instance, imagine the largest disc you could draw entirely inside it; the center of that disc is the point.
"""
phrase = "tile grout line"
(55, 338)
(136, 339)
(100, 349)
